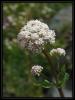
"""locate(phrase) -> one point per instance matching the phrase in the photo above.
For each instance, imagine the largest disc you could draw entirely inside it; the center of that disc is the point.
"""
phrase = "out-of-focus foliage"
(17, 63)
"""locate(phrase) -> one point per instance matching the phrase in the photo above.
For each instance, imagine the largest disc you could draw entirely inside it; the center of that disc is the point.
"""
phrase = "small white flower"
(61, 51)
(36, 70)
(58, 51)
(34, 35)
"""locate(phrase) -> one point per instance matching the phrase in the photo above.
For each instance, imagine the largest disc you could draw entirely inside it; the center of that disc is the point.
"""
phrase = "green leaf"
(66, 77)
(61, 83)
(44, 83)
(47, 84)
(61, 72)
(62, 76)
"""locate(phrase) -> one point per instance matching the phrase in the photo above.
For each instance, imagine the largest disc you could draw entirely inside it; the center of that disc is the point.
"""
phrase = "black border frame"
(72, 49)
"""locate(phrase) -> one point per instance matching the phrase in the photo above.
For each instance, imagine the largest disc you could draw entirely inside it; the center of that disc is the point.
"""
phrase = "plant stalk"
(50, 62)
(61, 92)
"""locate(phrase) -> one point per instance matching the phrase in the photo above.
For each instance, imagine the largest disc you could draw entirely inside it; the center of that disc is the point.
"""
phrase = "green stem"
(53, 72)
(50, 62)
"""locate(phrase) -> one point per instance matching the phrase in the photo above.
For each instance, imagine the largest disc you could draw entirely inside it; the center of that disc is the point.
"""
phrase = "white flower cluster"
(34, 35)
(58, 51)
(36, 70)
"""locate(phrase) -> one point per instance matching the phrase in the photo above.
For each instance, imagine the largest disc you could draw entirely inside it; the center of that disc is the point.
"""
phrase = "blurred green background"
(17, 78)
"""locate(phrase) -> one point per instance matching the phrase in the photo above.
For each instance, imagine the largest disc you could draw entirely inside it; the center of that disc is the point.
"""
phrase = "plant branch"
(53, 72)
(61, 92)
